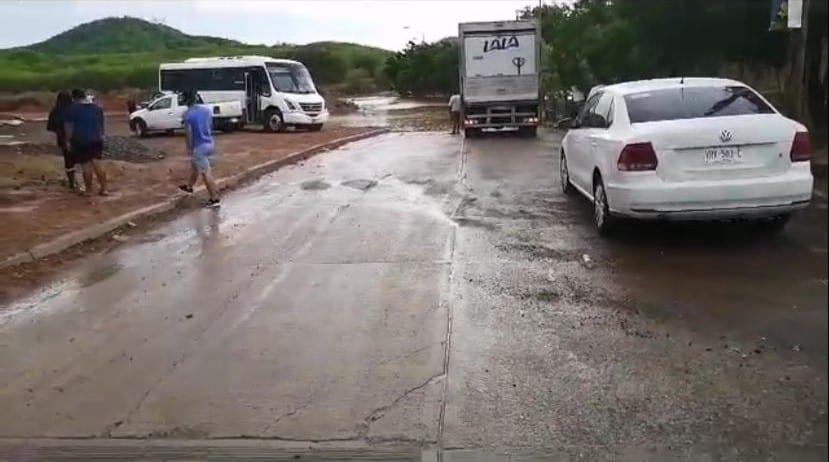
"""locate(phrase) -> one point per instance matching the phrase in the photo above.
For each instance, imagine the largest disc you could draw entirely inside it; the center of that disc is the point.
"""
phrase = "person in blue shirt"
(198, 122)
(84, 126)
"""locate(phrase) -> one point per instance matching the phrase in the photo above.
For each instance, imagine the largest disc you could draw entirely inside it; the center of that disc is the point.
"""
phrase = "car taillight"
(801, 147)
(637, 157)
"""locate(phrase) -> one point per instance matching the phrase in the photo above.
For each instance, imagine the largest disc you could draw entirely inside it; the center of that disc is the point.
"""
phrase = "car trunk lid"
(719, 148)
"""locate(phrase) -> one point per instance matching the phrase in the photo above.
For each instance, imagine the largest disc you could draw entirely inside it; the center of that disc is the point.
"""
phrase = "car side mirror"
(575, 123)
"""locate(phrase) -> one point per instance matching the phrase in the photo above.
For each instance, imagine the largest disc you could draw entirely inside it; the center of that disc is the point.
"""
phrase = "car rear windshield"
(694, 103)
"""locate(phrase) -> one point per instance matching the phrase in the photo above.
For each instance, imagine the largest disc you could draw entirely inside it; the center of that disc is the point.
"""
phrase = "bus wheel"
(273, 121)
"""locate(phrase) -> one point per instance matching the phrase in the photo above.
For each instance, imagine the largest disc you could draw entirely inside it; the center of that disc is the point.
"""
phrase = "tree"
(424, 69)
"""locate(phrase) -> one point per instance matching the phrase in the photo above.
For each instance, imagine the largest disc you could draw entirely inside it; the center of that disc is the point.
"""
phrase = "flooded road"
(437, 299)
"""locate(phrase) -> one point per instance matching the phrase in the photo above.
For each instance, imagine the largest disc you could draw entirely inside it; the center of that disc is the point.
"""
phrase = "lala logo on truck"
(500, 43)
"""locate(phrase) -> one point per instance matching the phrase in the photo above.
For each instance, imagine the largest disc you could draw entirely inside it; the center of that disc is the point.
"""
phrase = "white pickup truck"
(166, 112)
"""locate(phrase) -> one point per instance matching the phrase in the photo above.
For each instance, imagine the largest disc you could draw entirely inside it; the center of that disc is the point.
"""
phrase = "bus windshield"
(291, 78)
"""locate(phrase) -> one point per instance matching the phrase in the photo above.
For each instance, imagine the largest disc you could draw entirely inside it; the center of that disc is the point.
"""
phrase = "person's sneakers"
(213, 203)
(187, 189)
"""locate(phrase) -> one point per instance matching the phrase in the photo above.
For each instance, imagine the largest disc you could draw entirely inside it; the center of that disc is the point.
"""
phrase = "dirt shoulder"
(37, 207)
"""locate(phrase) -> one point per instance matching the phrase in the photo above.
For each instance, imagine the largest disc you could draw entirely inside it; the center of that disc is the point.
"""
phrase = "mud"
(315, 185)
(362, 185)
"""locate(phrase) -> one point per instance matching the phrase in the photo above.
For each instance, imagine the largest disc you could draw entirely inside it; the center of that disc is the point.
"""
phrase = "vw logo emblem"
(726, 136)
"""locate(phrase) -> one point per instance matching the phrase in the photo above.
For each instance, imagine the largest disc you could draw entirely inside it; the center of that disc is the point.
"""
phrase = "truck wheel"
(528, 131)
(273, 121)
(775, 224)
(141, 128)
(315, 127)
(470, 132)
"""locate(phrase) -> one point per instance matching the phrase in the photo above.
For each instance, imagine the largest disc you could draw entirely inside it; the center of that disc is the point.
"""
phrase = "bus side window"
(264, 83)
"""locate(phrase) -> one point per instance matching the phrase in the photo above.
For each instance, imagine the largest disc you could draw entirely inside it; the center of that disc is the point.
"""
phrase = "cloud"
(383, 23)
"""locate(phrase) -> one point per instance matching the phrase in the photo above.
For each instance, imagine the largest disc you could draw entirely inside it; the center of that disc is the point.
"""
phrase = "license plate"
(723, 155)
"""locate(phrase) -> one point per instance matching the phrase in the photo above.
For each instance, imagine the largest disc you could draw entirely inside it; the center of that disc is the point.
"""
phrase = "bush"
(358, 81)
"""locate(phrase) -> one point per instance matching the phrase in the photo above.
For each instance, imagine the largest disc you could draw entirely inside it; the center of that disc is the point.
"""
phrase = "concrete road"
(410, 297)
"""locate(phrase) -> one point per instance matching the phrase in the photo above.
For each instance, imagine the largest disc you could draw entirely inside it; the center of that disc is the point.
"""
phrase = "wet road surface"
(408, 292)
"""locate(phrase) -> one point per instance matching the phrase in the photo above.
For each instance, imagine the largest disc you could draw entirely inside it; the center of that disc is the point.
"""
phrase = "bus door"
(253, 89)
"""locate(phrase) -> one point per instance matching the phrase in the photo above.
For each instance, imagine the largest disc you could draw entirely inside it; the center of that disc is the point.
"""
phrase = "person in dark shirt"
(85, 132)
(55, 124)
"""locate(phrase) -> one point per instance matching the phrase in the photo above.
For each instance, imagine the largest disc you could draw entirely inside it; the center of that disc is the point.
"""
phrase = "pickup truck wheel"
(141, 128)
(273, 121)
(470, 132)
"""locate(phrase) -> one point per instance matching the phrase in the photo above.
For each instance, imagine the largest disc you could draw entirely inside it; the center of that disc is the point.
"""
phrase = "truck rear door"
(500, 66)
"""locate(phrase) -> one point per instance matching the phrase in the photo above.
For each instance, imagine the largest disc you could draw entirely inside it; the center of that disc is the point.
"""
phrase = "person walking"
(84, 127)
(56, 124)
(455, 113)
(198, 122)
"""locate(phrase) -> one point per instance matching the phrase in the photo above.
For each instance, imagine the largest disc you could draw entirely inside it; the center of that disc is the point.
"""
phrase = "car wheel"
(469, 133)
(273, 121)
(564, 175)
(315, 127)
(141, 128)
(602, 218)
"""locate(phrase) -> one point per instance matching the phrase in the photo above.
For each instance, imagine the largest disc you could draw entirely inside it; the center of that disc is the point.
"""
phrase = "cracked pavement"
(415, 293)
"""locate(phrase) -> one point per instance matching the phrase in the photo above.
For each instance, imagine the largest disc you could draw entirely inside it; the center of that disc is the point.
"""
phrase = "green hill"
(123, 35)
(116, 53)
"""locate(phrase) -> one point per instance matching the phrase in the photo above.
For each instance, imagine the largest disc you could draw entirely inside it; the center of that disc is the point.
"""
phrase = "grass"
(26, 70)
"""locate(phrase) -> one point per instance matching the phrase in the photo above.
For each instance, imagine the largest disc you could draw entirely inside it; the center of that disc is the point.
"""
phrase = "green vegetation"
(424, 69)
(116, 53)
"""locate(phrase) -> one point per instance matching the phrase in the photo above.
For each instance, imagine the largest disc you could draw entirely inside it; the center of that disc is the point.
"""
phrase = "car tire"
(602, 219)
(273, 121)
(141, 128)
(564, 175)
(314, 127)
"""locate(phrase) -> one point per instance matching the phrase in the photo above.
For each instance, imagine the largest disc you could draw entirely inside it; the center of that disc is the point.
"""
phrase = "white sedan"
(686, 149)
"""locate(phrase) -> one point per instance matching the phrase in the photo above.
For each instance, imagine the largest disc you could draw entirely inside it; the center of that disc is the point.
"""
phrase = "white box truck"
(500, 75)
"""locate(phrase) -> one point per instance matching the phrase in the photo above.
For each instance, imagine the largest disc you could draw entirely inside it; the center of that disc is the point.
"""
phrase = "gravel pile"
(130, 150)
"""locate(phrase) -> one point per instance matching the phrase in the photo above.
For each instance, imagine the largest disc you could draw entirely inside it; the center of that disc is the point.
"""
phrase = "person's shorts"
(83, 153)
(203, 158)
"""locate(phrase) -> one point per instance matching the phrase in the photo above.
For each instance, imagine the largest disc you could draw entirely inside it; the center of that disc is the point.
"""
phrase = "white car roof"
(626, 88)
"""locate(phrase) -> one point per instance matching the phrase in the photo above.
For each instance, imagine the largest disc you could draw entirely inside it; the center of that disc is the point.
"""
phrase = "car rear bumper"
(653, 198)
(300, 118)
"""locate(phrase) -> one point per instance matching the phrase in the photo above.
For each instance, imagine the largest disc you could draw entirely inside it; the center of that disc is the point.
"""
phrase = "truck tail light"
(637, 157)
(801, 147)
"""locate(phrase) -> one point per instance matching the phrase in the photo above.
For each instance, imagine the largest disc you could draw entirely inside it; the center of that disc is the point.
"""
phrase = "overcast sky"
(387, 23)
